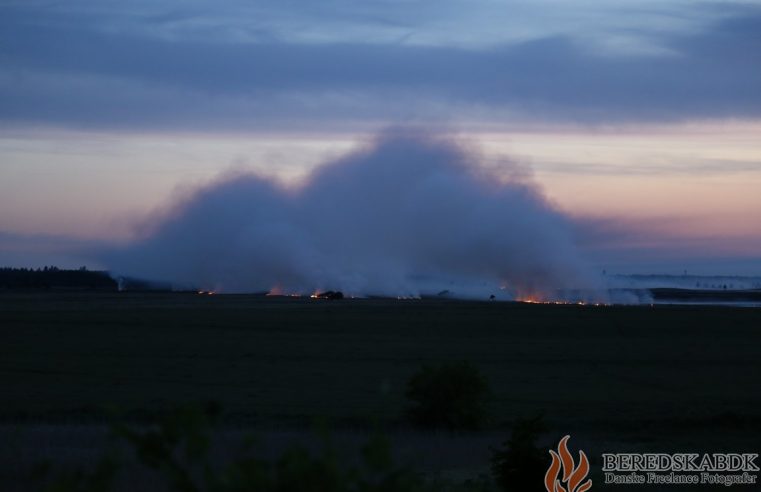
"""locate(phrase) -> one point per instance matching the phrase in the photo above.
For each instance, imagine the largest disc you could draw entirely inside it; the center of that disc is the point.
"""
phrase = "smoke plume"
(408, 215)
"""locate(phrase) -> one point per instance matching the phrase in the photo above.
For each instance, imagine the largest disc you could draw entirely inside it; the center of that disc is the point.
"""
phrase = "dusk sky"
(641, 120)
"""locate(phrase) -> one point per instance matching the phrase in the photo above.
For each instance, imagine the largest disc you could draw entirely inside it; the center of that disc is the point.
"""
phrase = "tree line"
(52, 277)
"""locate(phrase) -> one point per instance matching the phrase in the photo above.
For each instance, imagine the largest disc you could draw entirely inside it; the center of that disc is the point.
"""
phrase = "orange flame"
(531, 300)
(573, 476)
(276, 291)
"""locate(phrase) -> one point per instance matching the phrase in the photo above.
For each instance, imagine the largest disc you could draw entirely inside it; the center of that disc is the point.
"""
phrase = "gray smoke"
(408, 215)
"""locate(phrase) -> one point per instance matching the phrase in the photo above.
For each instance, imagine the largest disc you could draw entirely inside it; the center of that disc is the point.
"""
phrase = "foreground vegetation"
(178, 450)
(616, 378)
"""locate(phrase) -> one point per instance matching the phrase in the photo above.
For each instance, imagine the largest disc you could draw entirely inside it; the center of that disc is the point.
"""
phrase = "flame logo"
(572, 475)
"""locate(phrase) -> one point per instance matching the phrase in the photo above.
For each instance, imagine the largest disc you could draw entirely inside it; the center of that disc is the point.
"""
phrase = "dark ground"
(636, 378)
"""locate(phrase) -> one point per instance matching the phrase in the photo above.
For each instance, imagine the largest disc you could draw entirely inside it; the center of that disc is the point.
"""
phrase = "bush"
(178, 449)
(451, 396)
(519, 464)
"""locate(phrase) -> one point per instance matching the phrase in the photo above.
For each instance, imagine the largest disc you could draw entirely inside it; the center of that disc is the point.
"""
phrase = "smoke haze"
(407, 215)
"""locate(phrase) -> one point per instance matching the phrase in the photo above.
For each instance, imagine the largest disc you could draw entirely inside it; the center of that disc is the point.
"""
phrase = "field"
(669, 378)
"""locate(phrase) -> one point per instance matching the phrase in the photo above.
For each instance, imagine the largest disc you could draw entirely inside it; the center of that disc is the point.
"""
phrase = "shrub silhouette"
(100, 479)
(451, 396)
(519, 464)
(178, 449)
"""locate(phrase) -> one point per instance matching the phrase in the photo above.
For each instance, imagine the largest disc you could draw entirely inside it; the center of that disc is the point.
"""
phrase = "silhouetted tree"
(451, 396)
(520, 465)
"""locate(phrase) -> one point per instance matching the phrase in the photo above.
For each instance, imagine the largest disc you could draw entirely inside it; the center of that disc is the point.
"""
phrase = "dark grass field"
(669, 378)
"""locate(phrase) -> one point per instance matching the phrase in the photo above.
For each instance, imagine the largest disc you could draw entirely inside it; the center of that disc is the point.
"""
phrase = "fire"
(573, 475)
(276, 291)
(532, 300)
(328, 294)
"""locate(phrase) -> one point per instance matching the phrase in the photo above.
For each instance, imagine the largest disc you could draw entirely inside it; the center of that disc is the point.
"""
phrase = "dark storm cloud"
(71, 74)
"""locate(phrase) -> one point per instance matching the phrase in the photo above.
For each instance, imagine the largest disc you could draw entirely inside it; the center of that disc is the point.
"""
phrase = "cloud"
(479, 23)
(408, 215)
(693, 167)
(73, 74)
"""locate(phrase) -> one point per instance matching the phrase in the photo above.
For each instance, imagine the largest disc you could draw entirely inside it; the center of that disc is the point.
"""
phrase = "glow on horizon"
(686, 182)
(699, 180)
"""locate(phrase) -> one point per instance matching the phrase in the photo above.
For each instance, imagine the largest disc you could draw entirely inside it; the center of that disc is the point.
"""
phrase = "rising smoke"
(408, 215)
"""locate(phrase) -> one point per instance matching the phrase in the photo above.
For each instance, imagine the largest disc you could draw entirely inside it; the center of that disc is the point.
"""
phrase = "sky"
(639, 119)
